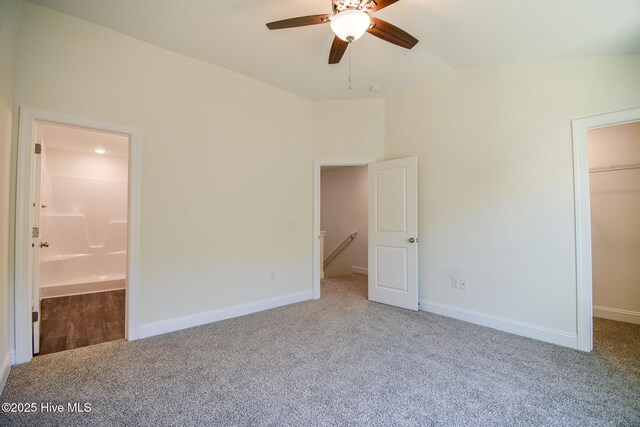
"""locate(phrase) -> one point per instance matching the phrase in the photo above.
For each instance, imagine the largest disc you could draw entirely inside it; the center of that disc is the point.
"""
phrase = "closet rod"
(615, 168)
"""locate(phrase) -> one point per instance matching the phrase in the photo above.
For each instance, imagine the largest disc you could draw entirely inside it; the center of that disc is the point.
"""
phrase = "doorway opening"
(605, 168)
(319, 249)
(77, 233)
(80, 260)
(392, 235)
(614, 191)
(344, 230)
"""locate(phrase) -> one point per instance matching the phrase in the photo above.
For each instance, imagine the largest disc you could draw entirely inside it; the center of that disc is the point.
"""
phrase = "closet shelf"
(615, 168)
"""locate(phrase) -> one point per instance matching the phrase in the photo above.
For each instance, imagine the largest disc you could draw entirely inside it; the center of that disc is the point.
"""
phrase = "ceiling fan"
(349, 21)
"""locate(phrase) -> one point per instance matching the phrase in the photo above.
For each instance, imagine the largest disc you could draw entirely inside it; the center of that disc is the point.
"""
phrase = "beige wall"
(351, 129)
(615, 222)
(344, 209)
(9, 22)
(226, 161)
(496, 180)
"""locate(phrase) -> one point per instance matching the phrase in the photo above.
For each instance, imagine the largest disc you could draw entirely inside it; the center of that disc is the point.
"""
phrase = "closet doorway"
(581, 129)
(614, 189)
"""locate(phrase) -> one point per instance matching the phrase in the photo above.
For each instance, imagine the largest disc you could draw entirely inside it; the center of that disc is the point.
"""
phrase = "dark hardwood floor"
(81, 320)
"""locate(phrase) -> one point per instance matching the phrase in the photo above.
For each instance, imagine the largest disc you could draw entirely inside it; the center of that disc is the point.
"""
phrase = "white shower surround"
(84, 222)
(95, 267)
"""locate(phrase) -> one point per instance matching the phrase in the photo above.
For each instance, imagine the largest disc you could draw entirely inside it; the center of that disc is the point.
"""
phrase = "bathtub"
(71, 265)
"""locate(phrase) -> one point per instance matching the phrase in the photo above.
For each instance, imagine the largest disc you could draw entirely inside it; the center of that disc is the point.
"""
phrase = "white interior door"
(393, 232)
(35, 242)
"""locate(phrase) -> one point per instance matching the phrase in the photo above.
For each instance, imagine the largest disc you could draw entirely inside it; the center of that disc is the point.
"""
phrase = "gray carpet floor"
(337, 361)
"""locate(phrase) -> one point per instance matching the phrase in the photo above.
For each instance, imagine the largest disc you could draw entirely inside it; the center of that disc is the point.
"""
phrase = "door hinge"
(34, 316)
(38, 148)
(35, 232)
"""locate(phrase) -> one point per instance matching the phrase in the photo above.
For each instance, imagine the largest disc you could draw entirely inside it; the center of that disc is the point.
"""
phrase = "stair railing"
(340, 248)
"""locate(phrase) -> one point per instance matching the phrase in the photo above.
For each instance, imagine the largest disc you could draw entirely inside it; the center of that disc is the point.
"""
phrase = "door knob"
(44, 244)
(412, 240)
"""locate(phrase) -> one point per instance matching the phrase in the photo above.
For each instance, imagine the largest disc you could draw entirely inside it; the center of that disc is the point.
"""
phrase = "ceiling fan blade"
(392, 34)
(300, 21)
(338, 48)
(381, 4)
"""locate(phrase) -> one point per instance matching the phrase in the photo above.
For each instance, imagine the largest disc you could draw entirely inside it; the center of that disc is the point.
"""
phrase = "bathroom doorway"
(26, 310)
(80, 257)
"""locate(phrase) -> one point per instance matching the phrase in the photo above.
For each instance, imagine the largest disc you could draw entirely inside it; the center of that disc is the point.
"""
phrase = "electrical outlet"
(291, 223)
(273, 276)
(459, 283)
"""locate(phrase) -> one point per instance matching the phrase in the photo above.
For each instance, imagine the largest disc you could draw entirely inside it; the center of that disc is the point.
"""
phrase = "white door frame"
(317, 164)
(22, 290)
(584, 297)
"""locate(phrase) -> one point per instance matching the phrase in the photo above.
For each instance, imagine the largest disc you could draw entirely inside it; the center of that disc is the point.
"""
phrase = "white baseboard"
(184, 322)
(359, 270)
(617, 314)
(81, 288)
(4, 371)
(502, 324)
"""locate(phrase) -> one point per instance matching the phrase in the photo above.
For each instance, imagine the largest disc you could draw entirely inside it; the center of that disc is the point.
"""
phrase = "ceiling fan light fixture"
(350, 25)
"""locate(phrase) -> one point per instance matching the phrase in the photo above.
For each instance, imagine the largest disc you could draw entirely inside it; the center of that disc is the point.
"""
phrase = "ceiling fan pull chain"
(349, 66)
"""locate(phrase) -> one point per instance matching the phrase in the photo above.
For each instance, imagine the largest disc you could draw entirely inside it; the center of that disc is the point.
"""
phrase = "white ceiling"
(80, 140)
(452, 34)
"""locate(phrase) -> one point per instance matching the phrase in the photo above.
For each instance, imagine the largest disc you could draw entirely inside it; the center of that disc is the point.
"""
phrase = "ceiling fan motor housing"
(342, 5)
